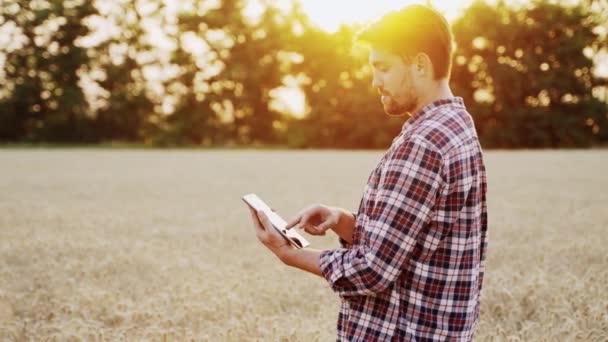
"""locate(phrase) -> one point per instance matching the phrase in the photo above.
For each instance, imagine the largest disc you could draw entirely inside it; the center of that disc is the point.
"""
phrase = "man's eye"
(380, 67)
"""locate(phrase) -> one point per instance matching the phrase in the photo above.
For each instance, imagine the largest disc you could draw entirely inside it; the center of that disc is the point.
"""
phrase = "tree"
(126, 110)
(43, 100)
(527, 74)
(229, 101)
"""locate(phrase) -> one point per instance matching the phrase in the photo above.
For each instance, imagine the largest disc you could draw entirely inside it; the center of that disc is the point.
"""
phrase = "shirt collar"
(431, 107)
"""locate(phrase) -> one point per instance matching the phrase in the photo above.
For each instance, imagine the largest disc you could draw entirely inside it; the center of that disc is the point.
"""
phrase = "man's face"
(396, 81)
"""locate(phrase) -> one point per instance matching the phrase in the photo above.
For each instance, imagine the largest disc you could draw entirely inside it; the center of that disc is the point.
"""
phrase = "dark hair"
(412, 30)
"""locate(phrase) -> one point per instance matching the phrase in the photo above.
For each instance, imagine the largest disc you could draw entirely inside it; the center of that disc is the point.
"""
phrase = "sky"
(329, 14)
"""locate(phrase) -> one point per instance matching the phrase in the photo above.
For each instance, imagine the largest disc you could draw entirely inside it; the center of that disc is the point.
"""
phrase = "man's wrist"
(345, 225)
(348, 215)
(285, 254)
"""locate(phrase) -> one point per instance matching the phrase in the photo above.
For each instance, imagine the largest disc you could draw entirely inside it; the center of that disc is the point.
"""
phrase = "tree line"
(213, 75)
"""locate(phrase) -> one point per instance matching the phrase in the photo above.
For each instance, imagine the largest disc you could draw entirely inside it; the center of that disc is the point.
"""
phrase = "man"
(411, 262)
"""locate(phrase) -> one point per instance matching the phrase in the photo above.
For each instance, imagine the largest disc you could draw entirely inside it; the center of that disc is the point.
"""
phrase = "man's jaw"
(385, 97)
(393, 108)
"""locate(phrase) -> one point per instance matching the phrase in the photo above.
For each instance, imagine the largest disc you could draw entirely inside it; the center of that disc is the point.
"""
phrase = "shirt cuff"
(330, 263)
(344, 243)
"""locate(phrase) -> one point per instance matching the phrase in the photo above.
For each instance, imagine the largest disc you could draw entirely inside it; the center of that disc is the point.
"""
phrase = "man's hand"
(268, 235)
(318, 218)
(315, 219)
(304, 259)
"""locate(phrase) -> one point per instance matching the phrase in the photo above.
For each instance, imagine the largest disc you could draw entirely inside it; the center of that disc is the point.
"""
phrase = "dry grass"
(153, 245)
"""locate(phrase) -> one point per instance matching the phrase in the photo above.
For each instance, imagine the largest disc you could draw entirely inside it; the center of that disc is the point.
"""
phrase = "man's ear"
(423, 65)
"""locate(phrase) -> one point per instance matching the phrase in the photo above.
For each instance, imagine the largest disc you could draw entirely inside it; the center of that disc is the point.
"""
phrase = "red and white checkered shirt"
(415, 267)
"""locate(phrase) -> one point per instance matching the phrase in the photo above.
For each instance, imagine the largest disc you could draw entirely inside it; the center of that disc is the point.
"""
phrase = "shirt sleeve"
(407, 192)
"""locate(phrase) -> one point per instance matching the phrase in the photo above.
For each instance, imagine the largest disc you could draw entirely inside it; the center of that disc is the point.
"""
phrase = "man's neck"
(439, 90)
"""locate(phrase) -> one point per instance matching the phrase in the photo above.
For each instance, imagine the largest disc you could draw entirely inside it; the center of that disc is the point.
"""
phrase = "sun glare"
(331, 14)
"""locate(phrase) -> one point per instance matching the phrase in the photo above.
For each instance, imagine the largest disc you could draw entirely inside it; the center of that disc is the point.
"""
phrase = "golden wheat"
(100, 245)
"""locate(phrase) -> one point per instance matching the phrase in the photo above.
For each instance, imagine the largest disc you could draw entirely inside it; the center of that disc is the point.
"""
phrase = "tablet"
(294, 238)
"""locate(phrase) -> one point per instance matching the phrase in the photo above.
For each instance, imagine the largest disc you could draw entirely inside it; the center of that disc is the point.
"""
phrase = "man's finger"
(268, 227)
(305, 218)
(293, 222)
(262, 232)
(312, 230)
(325, 226)
(301, 218)
(264, 220)
(256, 221)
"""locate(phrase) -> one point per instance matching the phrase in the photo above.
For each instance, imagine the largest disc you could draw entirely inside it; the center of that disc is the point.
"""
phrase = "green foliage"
(126, 114)
(532, 64)
(45, 102)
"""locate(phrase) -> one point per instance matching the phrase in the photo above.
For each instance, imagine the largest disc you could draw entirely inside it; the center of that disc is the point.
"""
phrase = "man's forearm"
(304, 259)
(346, 224)
(309, 259)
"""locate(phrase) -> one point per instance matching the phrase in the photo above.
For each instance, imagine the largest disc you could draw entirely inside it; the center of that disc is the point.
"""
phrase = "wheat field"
(131, 245)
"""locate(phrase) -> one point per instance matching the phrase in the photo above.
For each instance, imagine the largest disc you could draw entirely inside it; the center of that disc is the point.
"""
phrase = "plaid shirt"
(415, 267)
